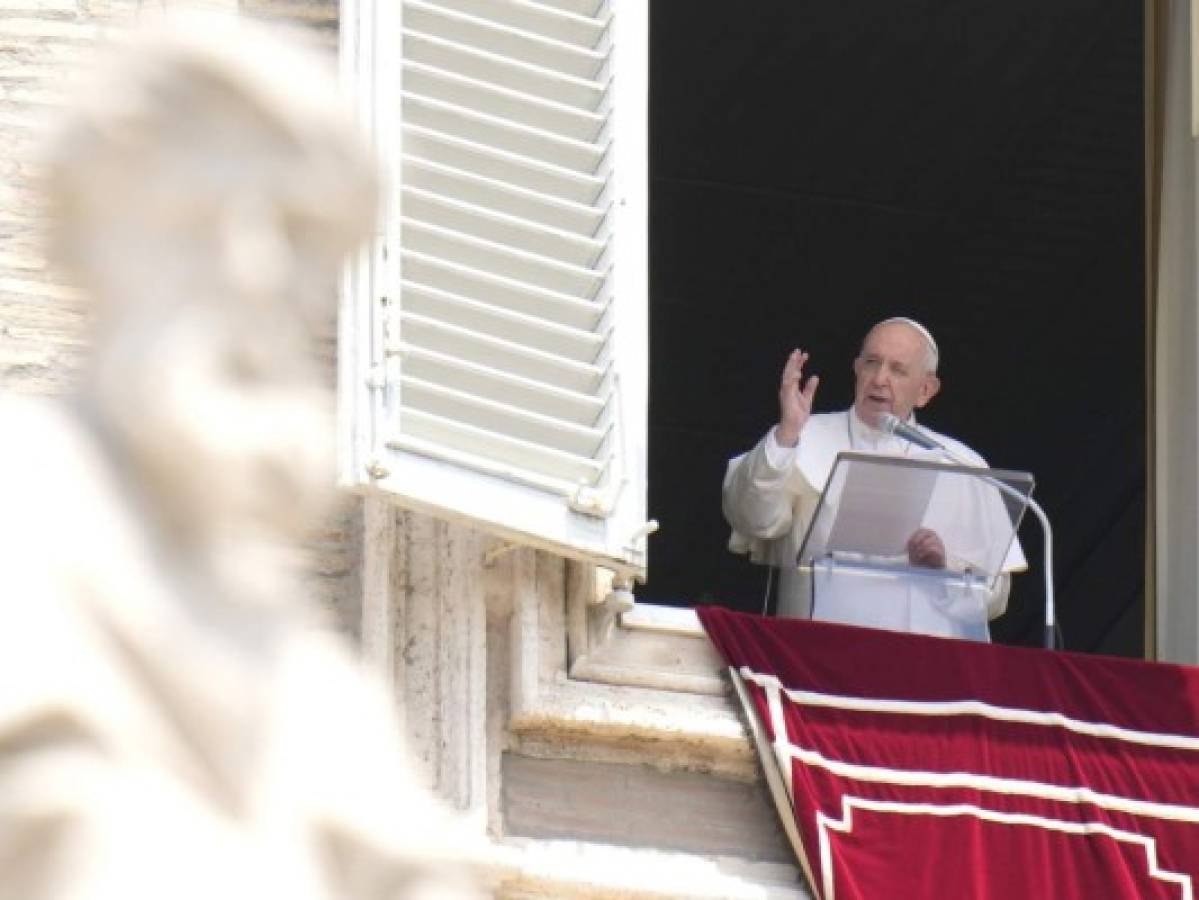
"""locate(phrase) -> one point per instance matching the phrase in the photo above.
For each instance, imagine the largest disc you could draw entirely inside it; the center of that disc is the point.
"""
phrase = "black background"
(816, 167)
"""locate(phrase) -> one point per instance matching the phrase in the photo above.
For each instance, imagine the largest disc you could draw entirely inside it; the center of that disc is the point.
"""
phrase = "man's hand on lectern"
(795, 399)
(926, 549)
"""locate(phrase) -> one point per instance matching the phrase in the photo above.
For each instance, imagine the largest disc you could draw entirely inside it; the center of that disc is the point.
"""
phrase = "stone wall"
(43, 323)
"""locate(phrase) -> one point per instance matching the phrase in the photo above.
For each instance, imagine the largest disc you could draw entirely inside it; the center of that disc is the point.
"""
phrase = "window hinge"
(592, 502)
(636, 541)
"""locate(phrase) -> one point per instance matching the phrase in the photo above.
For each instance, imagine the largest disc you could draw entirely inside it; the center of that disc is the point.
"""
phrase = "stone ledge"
(639, 806)
(571, 870)
(648, 646)
(668, 730)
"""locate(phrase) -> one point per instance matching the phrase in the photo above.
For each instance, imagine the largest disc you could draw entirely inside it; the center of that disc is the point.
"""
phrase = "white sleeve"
(756, 499)
(779, 457)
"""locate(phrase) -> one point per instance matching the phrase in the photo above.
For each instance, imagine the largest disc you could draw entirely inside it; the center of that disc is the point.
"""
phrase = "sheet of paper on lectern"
(877, 512)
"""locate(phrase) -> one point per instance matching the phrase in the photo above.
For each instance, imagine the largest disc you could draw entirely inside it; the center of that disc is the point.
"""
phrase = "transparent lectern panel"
(872, 505)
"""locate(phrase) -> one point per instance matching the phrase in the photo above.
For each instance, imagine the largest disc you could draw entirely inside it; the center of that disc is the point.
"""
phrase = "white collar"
(868, 437)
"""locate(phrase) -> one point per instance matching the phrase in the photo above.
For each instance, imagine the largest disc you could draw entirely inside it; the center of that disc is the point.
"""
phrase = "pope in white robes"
(771, 493)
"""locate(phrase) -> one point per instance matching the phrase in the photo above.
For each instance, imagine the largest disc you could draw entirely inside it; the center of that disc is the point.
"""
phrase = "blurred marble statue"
(174, 721)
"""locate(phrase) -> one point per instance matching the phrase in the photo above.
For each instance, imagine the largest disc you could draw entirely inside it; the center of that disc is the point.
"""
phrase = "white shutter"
(494, 340)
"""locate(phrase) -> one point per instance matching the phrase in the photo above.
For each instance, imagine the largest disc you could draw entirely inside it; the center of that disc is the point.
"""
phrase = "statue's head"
(203, 192)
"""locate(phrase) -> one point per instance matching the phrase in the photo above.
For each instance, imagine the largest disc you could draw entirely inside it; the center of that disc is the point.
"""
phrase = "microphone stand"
(1046, 530)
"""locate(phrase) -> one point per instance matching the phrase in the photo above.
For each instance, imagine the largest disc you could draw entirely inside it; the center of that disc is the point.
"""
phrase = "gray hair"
(932, 355)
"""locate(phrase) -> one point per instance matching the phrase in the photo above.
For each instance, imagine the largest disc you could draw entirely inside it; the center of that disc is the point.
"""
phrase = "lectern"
(855, 549)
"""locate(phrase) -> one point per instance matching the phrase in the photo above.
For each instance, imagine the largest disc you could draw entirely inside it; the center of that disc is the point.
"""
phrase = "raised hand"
(926, 549)
(795, 399)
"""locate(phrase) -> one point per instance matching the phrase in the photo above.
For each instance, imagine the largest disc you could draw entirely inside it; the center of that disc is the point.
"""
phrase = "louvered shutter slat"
(503, 40)
(495, 384)
(513, 74)
(454, 435)
(466, 218)
(578, 7)
(484, 463)
(486, 349)
(521, 140)
(509, 262)
(493, 162)
(524, 109)
(455, 278)
(530, 331)
(536, 18)
(503, 418)
(454, 184)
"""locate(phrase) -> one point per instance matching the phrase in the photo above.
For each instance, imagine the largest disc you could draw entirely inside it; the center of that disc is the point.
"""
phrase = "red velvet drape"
(922, 767)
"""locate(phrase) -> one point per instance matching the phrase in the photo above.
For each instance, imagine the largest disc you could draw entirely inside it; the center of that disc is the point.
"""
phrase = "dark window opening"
(817, 167)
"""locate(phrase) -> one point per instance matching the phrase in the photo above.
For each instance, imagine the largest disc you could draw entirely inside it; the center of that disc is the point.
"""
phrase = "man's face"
(890, 374)
(228, 261)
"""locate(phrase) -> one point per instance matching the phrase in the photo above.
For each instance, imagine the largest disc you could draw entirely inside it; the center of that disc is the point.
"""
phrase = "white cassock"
(771, 494)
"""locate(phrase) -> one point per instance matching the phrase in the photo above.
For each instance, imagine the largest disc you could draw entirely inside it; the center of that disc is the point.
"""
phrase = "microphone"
(891, 424)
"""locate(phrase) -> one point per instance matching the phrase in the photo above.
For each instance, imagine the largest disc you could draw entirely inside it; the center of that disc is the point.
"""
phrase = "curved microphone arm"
(892, 425)
(1046, 530)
